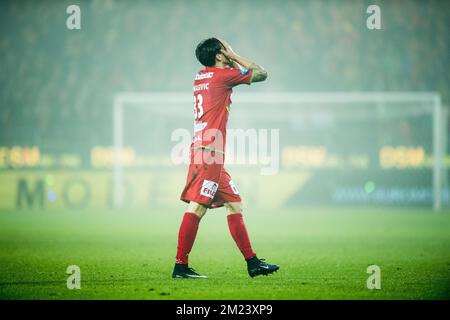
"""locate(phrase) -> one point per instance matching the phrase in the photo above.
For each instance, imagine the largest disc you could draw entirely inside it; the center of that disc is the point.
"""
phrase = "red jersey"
(212, 101)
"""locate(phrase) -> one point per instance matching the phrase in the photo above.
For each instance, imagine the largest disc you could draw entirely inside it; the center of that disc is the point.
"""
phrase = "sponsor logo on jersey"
(244, 72)
(207, 75)
(209, 188)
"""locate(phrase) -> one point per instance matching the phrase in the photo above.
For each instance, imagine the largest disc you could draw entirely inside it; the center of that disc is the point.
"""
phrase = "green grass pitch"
(323, 253)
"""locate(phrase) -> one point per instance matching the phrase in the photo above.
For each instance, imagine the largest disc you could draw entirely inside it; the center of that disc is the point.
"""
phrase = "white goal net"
(370, 148)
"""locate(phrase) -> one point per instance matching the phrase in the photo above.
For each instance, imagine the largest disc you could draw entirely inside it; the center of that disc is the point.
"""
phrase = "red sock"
(240, 235)
(186, 236)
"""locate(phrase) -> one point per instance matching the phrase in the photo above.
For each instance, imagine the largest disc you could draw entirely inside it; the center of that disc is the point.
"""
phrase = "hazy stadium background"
(58, 85)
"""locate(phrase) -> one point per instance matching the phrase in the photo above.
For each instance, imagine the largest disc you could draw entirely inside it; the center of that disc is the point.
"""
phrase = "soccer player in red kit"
(208, 184)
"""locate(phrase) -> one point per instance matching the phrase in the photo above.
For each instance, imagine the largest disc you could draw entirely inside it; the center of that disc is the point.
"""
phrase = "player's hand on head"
(229, 54)
(227, 51)
(224, 43)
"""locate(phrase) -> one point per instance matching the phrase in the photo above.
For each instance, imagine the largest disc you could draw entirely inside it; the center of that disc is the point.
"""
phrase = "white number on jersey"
(198, 106)
(233, 187)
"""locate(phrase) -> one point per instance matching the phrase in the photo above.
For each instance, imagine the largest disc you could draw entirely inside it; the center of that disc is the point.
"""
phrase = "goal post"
(161, 102)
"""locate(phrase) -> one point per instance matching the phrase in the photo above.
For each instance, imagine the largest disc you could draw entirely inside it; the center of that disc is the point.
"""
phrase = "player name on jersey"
(201, 86)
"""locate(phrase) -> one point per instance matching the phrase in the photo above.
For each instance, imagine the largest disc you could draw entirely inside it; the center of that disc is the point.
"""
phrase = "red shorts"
(209, 183)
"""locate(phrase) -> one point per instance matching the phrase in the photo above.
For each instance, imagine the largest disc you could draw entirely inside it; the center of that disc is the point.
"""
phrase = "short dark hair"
(206, 51)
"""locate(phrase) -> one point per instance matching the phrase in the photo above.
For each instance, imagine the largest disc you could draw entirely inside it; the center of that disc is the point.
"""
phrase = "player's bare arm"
(259, 73)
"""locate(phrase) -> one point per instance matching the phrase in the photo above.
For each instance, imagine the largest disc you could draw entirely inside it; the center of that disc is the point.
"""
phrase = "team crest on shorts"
(209, 188)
